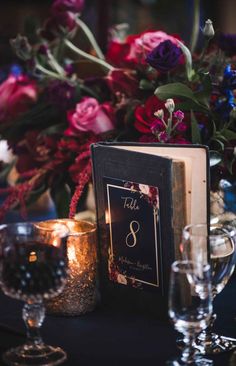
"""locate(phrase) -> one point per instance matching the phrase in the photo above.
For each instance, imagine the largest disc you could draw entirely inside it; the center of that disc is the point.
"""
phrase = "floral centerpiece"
(148, 87)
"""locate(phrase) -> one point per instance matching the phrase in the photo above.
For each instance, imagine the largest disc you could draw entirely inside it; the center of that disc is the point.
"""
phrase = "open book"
(145, 195)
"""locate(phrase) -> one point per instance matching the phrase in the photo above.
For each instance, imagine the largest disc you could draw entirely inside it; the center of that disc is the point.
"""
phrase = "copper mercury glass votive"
(80, 294)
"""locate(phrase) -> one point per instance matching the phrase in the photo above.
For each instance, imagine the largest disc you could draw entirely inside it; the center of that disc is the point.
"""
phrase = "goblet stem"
(206, 334)
(33, 315)
(189, 351)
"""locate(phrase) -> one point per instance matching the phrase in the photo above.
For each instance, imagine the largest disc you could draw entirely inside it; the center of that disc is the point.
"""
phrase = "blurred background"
(168, 15)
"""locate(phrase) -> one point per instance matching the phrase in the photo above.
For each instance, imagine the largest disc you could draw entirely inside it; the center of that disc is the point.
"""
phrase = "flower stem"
(90, 37)
(54, 64)
(196, 21)
(48, 72)
(86, 55)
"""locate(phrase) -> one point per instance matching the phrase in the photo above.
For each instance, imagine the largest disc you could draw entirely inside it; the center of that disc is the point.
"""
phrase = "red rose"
(117, 53)
(144, 114)
(16, 93)
(123, 81)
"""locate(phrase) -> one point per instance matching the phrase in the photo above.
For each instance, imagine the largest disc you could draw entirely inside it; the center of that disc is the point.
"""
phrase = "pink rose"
(89, 115)
(146, 42)
(16, 93)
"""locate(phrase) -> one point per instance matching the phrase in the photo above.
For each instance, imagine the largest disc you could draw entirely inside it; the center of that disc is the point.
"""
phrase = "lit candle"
(80, 293)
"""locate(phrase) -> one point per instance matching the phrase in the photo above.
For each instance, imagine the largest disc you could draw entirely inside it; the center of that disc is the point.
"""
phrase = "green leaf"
(228, 134)
(206, 82)
(61, 196)
(178, 90)
(146, 85)
(203, 96)
(188, 105)
(53, 129)
(219, 142)
(195, 131)
(174, 90)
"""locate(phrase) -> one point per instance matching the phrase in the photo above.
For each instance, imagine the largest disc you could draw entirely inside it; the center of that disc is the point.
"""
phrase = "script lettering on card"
(132, 211)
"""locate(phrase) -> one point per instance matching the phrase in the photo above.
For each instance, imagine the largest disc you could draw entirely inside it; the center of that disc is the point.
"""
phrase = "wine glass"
(190, 307)
(33, 267)
(216, 244)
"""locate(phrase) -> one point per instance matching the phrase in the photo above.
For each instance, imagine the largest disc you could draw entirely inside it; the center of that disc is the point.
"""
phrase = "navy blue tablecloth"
(108, 337)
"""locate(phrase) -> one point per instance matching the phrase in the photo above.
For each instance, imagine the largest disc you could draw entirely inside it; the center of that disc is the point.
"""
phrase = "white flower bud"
(208, 29)
(159, 113)
(170, 105)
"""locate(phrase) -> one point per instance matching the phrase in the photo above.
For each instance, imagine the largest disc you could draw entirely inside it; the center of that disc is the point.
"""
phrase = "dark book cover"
(142, 206)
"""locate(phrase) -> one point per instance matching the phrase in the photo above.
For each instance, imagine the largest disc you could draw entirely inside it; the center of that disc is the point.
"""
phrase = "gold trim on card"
(155, 215)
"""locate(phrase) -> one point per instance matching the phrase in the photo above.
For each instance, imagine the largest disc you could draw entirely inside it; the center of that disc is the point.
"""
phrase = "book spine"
(179, 219)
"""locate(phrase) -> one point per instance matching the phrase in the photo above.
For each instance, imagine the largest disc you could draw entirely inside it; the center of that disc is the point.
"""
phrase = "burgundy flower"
(33, 151)
(57, 25)
(61, 94)
(178, 139)
(74, 6)
(123, 81)
(144, 114)
(181, 127)
(165, 57)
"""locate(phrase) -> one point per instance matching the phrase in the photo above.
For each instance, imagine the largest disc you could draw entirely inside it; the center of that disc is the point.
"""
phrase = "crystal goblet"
(216, 244)
(33, 267)
(190, 307)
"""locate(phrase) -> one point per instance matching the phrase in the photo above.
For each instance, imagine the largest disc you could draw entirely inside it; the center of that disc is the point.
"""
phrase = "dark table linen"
(107, 337)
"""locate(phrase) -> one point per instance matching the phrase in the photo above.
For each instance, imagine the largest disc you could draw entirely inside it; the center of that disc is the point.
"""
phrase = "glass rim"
(66, 222)
(176, 266)
(63, 233)
(187, 234)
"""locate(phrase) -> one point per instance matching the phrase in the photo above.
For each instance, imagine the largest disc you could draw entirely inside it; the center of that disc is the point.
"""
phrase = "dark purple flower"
(165, 56)
(227, 43)
(61, 94)
(74, 6)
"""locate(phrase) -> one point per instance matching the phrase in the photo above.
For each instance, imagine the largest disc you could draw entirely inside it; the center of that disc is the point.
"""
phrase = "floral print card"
(132, 218)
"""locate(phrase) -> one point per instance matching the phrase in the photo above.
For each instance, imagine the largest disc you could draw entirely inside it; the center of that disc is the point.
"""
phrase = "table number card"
(132, 215)
(145, 194)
